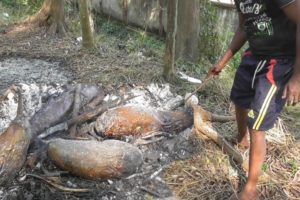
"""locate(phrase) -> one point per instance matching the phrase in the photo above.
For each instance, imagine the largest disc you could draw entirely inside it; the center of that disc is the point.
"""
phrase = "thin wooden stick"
(200, 87)
(92, 114)
(221, 118)
(83, 117)
(95, 102)
(60, 187)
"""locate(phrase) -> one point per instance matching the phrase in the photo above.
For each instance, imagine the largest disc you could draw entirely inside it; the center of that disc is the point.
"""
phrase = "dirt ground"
(110, 63)
(29, 57)
(207, 174)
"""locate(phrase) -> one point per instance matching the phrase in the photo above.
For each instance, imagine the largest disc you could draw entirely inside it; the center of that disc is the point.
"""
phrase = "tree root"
(52, 16)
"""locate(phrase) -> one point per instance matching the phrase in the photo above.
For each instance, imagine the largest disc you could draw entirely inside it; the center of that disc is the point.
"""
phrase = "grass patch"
(13, 11)
(134, 40)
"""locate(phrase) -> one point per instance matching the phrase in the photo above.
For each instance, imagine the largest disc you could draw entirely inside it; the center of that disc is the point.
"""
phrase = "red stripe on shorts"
(270, 75)
(247, 53)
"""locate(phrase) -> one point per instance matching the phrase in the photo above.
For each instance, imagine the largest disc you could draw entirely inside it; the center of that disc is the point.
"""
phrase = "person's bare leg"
(241, 118)
(257, 157)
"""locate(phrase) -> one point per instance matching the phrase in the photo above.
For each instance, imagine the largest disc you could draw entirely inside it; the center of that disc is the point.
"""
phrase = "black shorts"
(258, 86)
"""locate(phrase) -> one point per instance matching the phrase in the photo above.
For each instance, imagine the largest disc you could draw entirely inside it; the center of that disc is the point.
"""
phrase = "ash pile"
(84, 142)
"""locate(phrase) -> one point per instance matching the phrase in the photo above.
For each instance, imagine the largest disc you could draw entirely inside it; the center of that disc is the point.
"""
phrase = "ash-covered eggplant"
(14, 143)
(95, 160)
(134, 120)
(58, 108)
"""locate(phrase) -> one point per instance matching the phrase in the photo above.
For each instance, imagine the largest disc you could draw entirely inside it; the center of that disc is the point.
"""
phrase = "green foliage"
(294, 167)
(140, 40)
(7, 2)
(197, 69)
(28, 4)
(208, 34)
(111, 28)
(17, 9)
(214, 41)
(265, 167)
(214, 37)
(134, 40)
(293, 110)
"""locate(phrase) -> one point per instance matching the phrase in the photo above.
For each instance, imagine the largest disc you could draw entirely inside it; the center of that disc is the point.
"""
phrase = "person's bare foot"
(243, 142)
(249, 193)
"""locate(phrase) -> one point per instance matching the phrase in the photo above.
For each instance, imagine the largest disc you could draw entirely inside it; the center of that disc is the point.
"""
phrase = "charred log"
(91, 115)
(57, 109)
(133, 120)
(76, 107)
(95, 160)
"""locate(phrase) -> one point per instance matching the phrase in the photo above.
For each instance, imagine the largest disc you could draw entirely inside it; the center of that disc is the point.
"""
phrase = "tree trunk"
(161, 28)
(169, 65)
(125, 11)
(187, 38)
(52, 15)
(86, 21)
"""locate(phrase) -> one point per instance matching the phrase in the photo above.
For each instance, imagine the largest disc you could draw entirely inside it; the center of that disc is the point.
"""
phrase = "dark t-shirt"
(269, 31)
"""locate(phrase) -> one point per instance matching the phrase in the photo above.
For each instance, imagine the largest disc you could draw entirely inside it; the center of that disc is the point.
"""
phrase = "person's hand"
(292, 91)
(215, 70)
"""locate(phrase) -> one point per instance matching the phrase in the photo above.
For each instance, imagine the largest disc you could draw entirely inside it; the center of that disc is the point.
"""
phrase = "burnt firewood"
(95, 160)
(133, 120)
(14, 145)
(57, 109)
(94, 103)
(76, 107)
(84, 117)
(91, 115)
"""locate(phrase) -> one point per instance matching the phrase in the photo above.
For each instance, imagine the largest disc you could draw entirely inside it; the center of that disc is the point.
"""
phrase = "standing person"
(268, 76)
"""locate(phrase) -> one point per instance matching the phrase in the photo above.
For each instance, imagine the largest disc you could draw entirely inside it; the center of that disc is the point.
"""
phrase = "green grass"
(265, 167)
(134, 41)
(17, 10)
(293, 110)
(294, 166)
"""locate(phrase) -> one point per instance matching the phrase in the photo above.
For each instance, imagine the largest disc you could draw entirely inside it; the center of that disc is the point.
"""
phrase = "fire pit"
(70, 112)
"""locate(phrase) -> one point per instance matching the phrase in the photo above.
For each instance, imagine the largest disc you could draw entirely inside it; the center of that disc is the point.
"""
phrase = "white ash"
(31, 71)
(156, 96)
(32, 102)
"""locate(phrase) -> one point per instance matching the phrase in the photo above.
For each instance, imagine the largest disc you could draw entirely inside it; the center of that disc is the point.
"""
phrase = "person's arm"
(292, 89)
(238, 40)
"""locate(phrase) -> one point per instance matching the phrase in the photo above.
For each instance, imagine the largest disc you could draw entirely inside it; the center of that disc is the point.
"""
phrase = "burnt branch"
(98, 111)
(76, 108)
